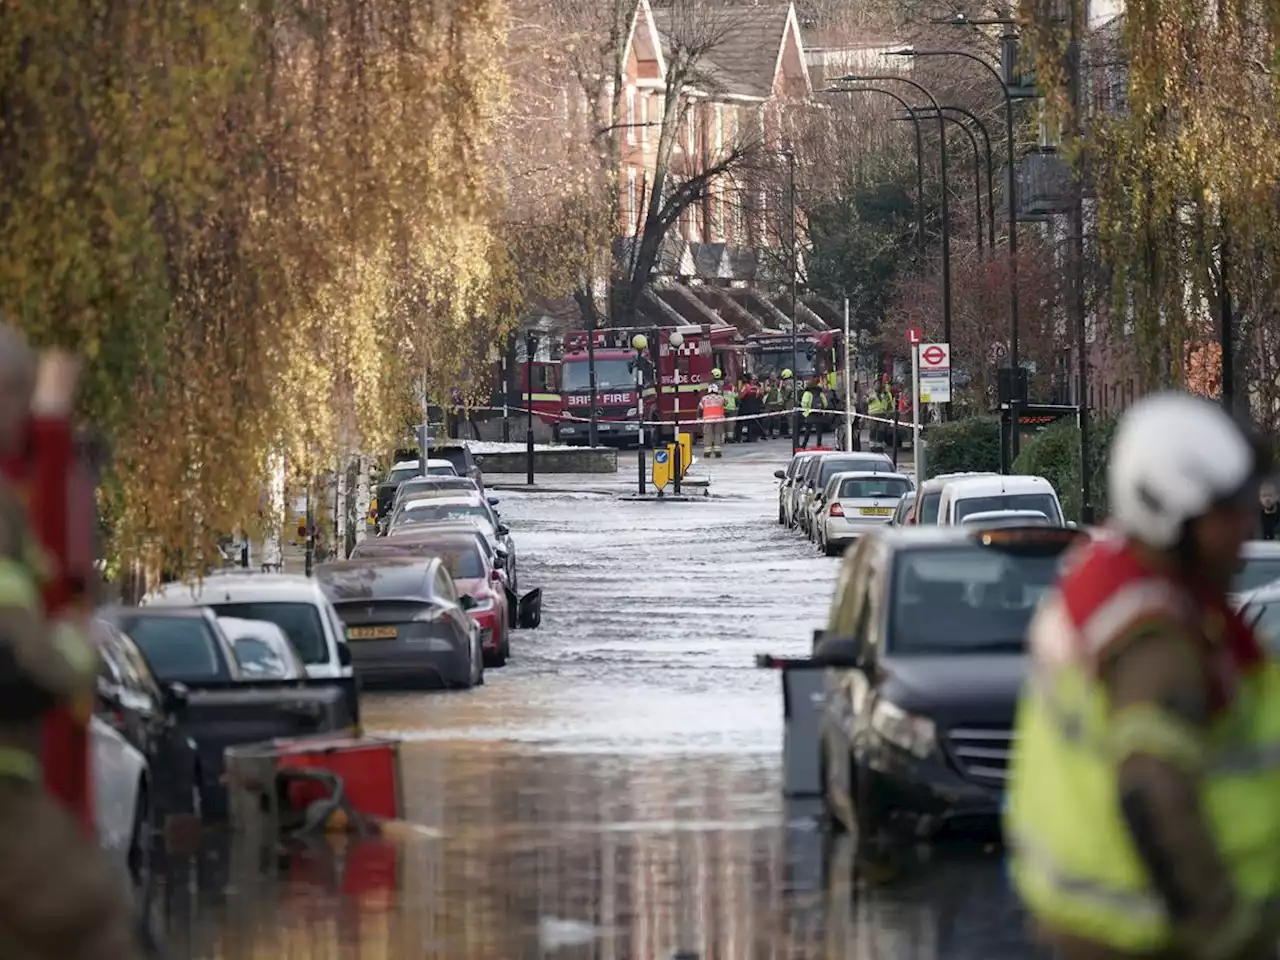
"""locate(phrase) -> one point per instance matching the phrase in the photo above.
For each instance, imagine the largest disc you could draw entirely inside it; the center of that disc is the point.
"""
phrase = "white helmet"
(1174, 457)
(714, 388)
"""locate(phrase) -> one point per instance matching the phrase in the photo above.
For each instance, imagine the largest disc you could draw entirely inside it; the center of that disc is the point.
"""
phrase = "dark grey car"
(405, 621)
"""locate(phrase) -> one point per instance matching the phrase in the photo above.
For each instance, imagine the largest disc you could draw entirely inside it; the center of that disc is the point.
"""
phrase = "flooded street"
(614, 792)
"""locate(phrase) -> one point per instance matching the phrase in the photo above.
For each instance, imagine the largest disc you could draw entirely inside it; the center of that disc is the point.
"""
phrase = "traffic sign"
(661, 474)
(914, 335)
(935, 356)
(935, 373)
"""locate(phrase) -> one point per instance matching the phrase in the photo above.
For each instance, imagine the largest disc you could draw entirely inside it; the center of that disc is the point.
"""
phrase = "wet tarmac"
(614, 792)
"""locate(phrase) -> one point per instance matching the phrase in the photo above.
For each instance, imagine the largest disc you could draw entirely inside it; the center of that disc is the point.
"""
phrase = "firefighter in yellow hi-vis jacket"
(59, 895)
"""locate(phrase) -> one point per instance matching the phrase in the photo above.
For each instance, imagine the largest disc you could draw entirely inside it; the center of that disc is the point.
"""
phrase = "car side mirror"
(467, 602)
(503, 530)
(780, 474)
(176, 697)
(848, 653)
(493, 501)
(344, 655)
(495, 575)
(501, 554)
(1071, 525)
(478, 460)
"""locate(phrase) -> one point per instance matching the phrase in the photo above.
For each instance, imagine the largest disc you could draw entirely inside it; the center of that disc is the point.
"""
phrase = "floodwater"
(614, 792)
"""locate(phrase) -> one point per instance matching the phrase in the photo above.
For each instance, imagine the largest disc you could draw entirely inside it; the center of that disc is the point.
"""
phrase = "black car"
(406, 622)
(130, 699)
(926, 645)
(213, 703)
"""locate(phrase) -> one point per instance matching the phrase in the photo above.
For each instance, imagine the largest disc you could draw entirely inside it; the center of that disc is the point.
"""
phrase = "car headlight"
(631, 412)
(916, 735)
(482, 604)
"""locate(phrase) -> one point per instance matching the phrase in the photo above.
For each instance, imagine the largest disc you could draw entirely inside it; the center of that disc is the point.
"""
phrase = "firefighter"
(59, 896)
(1142, 798)
(730, 405)
(811, 416)
(750, 406)
(773, 425)
(788, 390)
(711, 413)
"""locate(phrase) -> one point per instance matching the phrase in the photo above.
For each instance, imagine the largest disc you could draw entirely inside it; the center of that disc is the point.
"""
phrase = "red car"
(473, 572)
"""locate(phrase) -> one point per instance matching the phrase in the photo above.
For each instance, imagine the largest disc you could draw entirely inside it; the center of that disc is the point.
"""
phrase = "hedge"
(1055, 455)
(971, 444)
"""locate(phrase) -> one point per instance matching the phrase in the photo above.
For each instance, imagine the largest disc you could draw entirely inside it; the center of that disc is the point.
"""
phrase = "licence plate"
(877, 511)
(371, 633)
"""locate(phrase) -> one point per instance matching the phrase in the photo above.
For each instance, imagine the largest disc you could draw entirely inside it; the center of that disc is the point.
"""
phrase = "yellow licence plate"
(877, 511)
(371, 633)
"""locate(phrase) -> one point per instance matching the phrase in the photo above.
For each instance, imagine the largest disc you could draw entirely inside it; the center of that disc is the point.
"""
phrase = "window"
(259, 660)
(444, 586)
(719, 129)
(1042, 502)
(1257, 572)
(631, 212)
(631, 115)
(644, 118)
(692, 132)
(867, 488)
(176, 648)
(300, 622)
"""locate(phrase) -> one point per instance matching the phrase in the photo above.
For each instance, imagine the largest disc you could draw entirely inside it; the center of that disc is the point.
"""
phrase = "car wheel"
(781, 516)
(832, 823)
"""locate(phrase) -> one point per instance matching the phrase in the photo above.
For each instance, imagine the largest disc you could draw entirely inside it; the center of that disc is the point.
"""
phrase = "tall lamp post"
(913, 112)
(640, 343)
(531, 349)
(676, 341)
(795, 270)
(942, 157)
(977, 166)
(991, 167)
(1014, 363)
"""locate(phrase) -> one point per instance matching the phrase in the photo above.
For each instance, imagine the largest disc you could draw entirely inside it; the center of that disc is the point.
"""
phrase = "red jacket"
(59, 496)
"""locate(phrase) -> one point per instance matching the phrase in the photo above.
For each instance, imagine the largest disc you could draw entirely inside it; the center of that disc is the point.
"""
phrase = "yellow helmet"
(716, 373)
(786, 374)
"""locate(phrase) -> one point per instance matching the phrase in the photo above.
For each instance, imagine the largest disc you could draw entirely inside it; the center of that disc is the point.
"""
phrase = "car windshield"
(1043, 502)
(259, 660)
(833, 465)
(947, 599)
(422, 511)
(866, 488)
(771, 363)
(929, 506)
(1265, 618)
(402, 472)
(462, 564)
(1257, 572)
(610, 375)
(441, 470)
(176, 648)
(300, 622)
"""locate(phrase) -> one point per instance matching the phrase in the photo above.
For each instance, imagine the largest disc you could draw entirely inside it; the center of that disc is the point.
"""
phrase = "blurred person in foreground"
(59, 895)
(1143, 816)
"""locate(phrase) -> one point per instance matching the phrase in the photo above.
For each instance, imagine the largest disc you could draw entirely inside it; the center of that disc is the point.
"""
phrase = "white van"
(964, 496)
(294, 603)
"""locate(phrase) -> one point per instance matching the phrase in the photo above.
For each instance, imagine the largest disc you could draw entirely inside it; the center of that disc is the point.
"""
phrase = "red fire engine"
(625, 388)
(817, 355)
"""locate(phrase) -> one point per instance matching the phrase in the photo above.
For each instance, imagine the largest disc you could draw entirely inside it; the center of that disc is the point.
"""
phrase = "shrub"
(1055, 455)
(972, 444)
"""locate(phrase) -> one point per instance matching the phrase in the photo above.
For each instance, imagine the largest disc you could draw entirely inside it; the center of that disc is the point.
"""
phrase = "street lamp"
(977, 165)
(531, 349)
(676, 341)
(913, 111)
(1014, 363)
(946, 216)
(795, 270)
(991, 166)
(640, 343)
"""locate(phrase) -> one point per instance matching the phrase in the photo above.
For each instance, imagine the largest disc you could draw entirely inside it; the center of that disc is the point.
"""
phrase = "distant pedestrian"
(751, 405)
(1270, 512)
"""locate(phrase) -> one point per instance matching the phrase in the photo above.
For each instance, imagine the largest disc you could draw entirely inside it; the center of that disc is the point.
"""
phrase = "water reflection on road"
(614, 793)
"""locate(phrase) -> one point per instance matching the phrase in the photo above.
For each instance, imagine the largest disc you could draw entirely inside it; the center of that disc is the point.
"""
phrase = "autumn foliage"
(259, 222)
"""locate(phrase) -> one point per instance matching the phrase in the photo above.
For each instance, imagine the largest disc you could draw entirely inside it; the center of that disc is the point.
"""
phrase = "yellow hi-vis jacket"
(1073, 860)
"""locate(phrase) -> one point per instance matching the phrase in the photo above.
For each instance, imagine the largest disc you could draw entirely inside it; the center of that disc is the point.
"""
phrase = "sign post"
(848, 384)
(913, 337)
(935, 373)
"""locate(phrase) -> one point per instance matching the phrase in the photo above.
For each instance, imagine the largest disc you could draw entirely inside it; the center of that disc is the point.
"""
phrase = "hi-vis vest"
(1073, 861)
(712, 407)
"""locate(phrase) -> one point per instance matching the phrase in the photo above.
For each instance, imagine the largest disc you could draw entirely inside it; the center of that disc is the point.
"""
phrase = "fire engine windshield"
(610, 375)
(771, 363)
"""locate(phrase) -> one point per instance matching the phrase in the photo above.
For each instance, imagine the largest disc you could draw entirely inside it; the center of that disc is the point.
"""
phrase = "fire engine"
(818, 354)
(626, 391)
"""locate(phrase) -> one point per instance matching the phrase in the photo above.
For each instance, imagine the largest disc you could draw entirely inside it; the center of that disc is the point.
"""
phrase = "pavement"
(614, 792)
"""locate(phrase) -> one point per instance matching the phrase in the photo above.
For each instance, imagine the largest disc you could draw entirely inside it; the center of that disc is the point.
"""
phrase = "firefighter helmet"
(716, 373)
(786, 374)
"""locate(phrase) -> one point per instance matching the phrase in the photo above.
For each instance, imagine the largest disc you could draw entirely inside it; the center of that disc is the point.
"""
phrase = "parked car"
(855, 503)
(789, 490)
(903, 509)
(967, 495)
(262, 650)
(133, 702)
(422, 540)
(470, 509)
(294, 603)
(925, 644)
(122, 811)
(818, 472)
(212, 700)
(929, 495)
(457, 452)
(406, 621)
